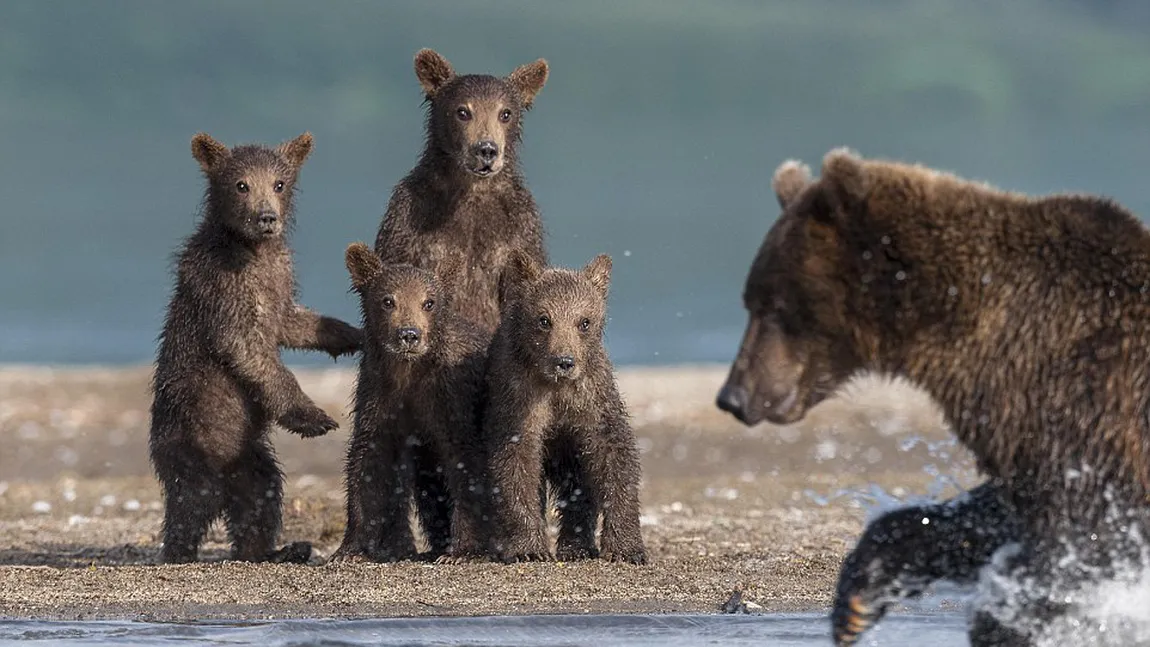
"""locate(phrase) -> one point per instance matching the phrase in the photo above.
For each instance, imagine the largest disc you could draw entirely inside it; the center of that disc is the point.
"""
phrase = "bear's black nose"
(733, 400)
(565, 363)
(487, 151)
(268, 218)
(409, 336)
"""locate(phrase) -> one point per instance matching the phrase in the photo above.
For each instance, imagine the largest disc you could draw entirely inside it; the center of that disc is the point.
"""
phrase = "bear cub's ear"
(789, 180)
(598, 271)
(297, 150)
(528, 80)
(433, 71)
(844, 174)
(524, 268)
(362, 264)
(210, 153)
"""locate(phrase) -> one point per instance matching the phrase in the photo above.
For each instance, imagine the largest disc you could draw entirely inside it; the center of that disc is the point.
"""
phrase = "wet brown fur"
(219, 383)
(417, 410)
(907, 550)
(443, 209)
(1026, 318)
(567, 426)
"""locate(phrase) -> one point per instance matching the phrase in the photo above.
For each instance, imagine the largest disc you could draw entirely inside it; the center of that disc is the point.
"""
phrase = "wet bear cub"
(219, 383)
(554, 413)
(417, 409)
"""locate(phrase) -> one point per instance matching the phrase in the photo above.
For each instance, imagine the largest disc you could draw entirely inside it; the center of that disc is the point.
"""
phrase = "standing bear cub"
(466, 196)
(554, 412)
(219, 383)
(418, 395)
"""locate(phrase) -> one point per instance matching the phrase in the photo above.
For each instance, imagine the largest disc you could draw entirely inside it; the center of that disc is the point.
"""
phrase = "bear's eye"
(429, 304)
(463, 113)
(279, 187)
(505, 116)
(585, 325)
(544, 322)
(388, 302)
(242, 186)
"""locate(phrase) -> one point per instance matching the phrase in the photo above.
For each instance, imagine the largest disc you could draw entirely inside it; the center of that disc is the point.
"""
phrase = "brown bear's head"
(400, 303)
(556, 316)
(250, 187)
(475, 119)
(802, 339)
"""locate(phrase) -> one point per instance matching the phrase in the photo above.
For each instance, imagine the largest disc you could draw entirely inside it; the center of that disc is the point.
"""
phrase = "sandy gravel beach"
(723, 506)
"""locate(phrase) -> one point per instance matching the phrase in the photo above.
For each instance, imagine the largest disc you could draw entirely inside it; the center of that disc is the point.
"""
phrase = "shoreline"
(768, 509)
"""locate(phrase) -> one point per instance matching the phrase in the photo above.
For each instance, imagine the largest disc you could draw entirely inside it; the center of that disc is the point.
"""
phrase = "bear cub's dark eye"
(388, 302)
(585, 325)
(544, 322)
(429, 304)
(242, 186)
(463, 113)
(505, 116)
(279, 187)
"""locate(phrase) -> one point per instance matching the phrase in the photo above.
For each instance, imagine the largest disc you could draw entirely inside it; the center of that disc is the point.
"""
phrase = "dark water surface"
(783, 630)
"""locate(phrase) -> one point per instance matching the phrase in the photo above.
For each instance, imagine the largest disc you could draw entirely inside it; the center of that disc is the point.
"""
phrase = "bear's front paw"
(308, 422)
(462, 558)
(347, 555)
(625, 554)
(347, 340)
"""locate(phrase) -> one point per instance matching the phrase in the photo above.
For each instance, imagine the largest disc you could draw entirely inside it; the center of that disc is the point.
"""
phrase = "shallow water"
(785, 630)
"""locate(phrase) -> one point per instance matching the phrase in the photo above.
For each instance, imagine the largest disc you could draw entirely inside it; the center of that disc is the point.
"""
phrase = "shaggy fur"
(907, 550)
(417, 410)
(219, 383)
(555, 413)
(1025, 318)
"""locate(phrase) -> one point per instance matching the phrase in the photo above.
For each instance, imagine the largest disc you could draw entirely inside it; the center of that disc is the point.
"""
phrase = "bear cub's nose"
(565, 364)
(487, 151)
(409, 336)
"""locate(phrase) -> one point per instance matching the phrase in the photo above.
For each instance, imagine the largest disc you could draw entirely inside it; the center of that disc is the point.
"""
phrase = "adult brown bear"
(1026, 318)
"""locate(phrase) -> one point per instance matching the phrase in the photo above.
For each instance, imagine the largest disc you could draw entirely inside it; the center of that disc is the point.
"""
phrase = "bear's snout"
(409, 336)
(733, 400)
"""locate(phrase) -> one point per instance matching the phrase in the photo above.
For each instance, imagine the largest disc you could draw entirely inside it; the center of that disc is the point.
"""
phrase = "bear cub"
(466, 196)
(219, 383)
(417, 410)
(554, 412)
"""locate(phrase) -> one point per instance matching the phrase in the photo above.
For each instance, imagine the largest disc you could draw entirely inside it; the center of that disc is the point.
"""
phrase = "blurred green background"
(654, 139)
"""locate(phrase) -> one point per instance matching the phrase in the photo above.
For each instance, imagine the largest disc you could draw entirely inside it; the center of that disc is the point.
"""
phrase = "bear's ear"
(528, 80)
(520, 271)
(448, 269)
(432, 70)
(598, 271)
(363, 264)
(297, 150)
(789, 180)
(210, 153)
(523, 268)
(843, 174)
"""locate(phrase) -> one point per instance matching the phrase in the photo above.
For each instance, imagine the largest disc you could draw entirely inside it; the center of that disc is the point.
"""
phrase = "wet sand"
(723, 507)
